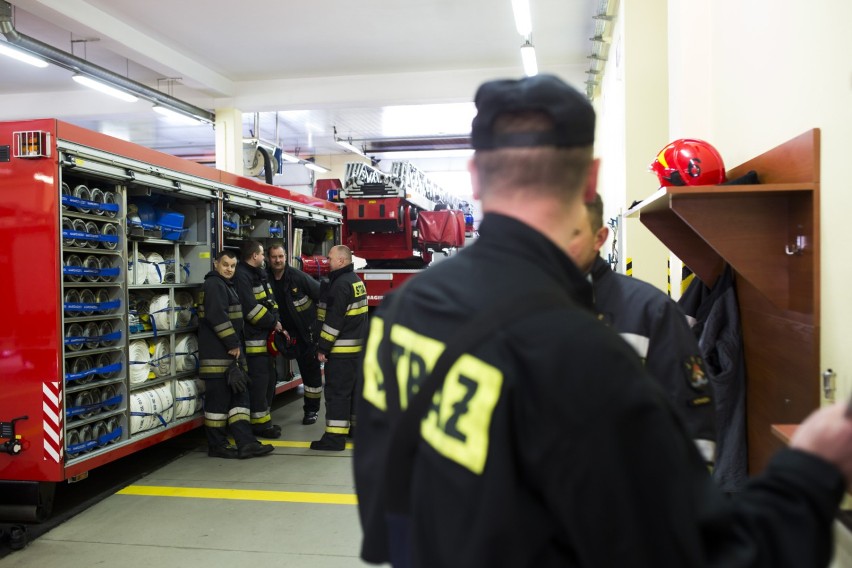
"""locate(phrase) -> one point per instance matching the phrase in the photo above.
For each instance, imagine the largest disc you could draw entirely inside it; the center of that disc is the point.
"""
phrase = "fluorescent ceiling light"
(177, 116)
(528, 59)
(349, 146)
(104, 88)
(9, 51)
(290, 158)
(523, 21)
(315, 167)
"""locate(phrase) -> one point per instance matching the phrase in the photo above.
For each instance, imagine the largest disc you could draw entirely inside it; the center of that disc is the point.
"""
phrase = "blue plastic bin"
(171, 224)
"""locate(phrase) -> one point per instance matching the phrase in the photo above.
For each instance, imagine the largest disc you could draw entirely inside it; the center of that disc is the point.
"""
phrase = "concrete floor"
(292, 508)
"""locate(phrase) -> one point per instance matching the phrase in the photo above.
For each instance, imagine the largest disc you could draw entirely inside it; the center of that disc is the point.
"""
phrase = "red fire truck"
(103, 246)
(397, 221)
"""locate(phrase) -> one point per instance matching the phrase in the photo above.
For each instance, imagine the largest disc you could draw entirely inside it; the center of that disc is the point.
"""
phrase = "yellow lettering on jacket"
(458, 422)
(358, 289)
(374, 380)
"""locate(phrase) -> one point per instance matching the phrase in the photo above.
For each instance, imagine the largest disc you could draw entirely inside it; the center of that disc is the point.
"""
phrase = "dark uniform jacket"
(342, 314)
(259, 308)
(297, 294)
(716, 324)
(552, 446)
(220, 325)
(654, 325)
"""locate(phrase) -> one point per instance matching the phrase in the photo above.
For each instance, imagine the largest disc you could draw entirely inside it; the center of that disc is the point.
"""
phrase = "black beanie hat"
(572, 114)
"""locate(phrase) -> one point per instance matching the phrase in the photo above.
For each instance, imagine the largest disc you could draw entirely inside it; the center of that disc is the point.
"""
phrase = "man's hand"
(235, 352)
(827, 433)
(321, 357)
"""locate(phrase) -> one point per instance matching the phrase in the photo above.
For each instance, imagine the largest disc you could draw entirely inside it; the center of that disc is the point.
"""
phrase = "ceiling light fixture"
(523, 20)
(104, 88)
(290, 158)
(21, 56)
(177, 116)
(349, 146)
(528, 59)
(311, 165)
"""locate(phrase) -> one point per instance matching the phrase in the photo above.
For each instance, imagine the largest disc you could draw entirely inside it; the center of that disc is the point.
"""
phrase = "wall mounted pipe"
(77, 65)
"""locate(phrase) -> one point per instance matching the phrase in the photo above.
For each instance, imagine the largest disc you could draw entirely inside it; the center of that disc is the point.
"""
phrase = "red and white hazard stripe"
(52, 422)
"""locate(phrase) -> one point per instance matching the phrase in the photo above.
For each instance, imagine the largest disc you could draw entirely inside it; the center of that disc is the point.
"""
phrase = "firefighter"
(342, 315)
(220, 330)
(548, 444)
(261, 317)
(654, 325)
(296, 294)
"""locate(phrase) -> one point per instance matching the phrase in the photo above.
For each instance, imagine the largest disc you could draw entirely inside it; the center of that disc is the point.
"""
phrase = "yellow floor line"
(293, 444)
(241, 494)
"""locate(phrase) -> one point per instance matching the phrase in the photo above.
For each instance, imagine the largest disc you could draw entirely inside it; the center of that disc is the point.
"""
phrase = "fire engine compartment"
(105, 246)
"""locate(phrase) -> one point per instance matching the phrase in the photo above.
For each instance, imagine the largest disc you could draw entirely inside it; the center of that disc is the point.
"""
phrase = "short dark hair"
(545, 170)
(226, 252)
(249, 248)
(276, 245)
(595, 211)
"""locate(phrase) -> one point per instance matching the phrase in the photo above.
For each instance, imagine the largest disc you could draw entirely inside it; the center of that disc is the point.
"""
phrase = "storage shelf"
(750, 227)
(769, 234)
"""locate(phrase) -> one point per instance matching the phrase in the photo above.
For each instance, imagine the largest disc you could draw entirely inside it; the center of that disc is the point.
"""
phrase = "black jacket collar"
(334, 274)
(517, 240)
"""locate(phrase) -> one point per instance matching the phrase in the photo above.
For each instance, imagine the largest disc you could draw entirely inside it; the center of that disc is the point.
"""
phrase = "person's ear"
(474, 178)
(600, 238)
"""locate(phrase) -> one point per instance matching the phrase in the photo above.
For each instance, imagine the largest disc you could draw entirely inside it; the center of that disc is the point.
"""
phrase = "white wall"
(747, 75)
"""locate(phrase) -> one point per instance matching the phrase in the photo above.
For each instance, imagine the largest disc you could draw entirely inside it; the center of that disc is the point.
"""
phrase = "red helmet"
(688, 161)
(277, 343)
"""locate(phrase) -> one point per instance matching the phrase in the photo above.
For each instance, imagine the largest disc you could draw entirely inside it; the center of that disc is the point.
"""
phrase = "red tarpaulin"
(441, 229)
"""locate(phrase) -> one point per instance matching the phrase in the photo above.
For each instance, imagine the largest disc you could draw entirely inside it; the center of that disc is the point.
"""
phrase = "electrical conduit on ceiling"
(75, 64)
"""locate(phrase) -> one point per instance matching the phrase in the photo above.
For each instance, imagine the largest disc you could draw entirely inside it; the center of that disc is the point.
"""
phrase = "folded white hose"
(186, 353)
(183, 309)
(109, 199)
(161, 311)
(187, 394)
(86, 297)
(82, 192)
(161, 361)
(155, 268)
(73, 261)
(139, 358)
(137, 271)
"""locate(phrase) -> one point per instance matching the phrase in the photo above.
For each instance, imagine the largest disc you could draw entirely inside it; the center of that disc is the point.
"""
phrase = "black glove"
(237, 379)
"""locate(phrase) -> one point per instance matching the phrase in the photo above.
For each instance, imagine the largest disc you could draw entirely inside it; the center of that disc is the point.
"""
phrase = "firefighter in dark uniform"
(342, 321)
(549, 444)
(296, 294)
(654, 325)
(261, 317)
(220, 330)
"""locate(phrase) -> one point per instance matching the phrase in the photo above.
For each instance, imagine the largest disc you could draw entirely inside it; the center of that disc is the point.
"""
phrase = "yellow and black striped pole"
(628, 266)
(669, 277)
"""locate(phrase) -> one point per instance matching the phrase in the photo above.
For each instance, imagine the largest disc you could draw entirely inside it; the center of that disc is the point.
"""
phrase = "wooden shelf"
(750, 227)
(757, 229)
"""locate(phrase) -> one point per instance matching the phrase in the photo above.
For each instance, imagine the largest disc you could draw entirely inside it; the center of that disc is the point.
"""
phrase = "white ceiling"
(374, 69)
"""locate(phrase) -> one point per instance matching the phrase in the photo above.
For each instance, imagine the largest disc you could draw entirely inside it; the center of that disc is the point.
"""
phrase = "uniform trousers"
(261, 391)
(340, 379)
(226, 410)
(309, 366)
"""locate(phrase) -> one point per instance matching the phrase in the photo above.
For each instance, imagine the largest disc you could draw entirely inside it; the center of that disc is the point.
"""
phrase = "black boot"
(310, 418)
(226, 452)
(330, 443)
(253, 450)
(272, 431)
